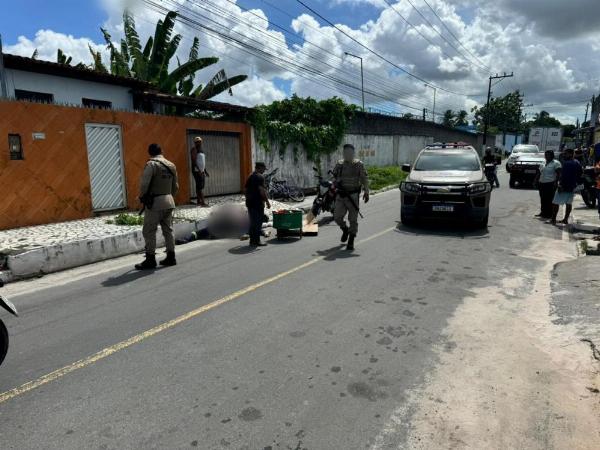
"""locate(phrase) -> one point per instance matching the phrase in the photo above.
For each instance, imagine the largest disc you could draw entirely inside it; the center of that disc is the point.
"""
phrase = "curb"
(55, 258)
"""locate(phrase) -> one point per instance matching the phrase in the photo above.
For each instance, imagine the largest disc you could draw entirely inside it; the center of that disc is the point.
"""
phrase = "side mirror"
(405, 167)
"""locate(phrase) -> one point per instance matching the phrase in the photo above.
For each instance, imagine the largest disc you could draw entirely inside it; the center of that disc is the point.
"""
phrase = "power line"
(318, 30)
(382, 81)
(259, 52)
(454, 36)
(223, 12)
(383, 58)
(479, 67)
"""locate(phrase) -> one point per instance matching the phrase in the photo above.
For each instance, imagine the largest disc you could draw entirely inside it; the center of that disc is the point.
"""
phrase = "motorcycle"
(3, 331)
(490, 171)
(589, 193)
(326, 194)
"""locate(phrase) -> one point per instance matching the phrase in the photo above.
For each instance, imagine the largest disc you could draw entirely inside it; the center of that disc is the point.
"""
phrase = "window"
(14, 147)
(99, 104)
(440, 161)
(31, 96)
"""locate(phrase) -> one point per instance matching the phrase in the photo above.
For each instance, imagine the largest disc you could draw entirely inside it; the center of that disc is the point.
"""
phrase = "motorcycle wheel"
(296, 194)
(588, 198)
(3, 341)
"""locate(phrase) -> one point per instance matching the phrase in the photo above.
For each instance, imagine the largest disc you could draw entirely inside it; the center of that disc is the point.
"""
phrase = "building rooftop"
(63, 70)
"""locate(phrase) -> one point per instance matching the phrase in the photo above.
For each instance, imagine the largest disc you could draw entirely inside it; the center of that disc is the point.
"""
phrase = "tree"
(544, 119)
(151, 63)
(568, 130)
(409, 116)
(448, 119)
(505, 113)
(461, 119)
(455, 119)
(61, 58)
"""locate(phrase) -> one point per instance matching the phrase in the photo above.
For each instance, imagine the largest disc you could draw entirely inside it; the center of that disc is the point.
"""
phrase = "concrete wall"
(69, 90)
(52, 182)
(379, 141)
(377, 124)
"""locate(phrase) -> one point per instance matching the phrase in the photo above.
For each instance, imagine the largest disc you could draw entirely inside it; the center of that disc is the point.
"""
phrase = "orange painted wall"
(52, 183)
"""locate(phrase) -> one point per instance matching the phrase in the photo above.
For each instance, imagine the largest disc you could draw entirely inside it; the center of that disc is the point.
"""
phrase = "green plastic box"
(291, 220)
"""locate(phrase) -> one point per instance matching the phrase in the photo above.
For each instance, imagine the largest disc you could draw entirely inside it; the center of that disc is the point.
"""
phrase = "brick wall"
(52, 183)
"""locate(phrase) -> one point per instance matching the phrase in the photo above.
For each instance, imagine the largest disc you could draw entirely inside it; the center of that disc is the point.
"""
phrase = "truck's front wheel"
(512, 182)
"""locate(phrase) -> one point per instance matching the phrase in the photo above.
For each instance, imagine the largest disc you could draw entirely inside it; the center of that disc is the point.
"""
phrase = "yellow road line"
(52, 376)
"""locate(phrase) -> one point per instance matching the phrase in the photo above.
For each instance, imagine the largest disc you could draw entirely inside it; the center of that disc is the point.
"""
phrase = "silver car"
(447, 181)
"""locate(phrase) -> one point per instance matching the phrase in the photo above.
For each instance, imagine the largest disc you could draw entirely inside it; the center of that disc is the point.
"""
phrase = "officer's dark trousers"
(547, 191)
(256, 214)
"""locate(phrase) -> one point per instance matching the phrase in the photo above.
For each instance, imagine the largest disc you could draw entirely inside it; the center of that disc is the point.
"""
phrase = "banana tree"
(151, 64)
(62, 58)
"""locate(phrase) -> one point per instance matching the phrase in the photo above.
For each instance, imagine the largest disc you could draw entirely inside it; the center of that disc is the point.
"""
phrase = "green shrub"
(127, 219)
(381, 177)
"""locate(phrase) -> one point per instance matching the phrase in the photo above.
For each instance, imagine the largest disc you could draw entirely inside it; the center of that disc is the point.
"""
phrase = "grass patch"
(127, 219)
(380, 177)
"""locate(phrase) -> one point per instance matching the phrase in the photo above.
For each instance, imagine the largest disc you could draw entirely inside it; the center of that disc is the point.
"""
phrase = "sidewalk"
(585, 227)
(38, 250)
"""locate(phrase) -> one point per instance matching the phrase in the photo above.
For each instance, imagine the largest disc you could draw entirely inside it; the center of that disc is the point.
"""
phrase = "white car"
(518, 151)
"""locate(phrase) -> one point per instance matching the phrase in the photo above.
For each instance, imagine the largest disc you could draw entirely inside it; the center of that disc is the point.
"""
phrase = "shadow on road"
(243, 250)
(450, 230)
(335, 253)
(127, 277)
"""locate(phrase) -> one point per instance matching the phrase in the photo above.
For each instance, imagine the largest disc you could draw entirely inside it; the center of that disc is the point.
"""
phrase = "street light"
(434, 93)
(362, 78)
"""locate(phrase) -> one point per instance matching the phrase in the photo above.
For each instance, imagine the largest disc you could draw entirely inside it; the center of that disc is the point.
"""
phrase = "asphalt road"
(300, 345)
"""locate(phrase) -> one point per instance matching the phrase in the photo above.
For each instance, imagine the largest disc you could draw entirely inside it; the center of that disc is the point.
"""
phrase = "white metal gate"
(106, 166)
(222, 162)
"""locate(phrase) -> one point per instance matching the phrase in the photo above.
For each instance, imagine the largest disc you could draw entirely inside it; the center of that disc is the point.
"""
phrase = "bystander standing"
(547, 181)
(569, 176)
(256, 200)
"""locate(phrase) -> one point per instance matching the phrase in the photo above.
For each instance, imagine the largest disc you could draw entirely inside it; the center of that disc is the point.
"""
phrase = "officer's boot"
(345, 233)
(169, 260)
(148, 264)
(350, 245)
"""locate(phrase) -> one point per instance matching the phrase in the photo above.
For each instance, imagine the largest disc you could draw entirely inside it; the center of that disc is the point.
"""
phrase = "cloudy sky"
(291, 46)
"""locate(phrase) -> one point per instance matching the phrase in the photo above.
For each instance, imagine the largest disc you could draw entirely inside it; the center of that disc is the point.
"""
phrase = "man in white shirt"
(547, 182)
(199, 170)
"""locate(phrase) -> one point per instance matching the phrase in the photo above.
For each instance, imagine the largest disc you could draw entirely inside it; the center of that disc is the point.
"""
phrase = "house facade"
(75, 144)
(45, 82)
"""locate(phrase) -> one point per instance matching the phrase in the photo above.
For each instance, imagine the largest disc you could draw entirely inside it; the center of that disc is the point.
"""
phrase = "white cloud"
(47, 43)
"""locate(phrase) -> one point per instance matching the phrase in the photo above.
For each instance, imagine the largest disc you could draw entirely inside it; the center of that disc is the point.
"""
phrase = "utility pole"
(434, 94)
(362, 78)
(424, 114)
(3, 90)
(487, 109)
(587, 107)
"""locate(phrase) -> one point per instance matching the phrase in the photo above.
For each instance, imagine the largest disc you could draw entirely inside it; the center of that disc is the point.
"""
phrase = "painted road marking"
(53, 376)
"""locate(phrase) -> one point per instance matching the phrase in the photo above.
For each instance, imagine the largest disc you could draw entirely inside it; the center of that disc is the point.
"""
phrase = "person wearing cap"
(199, 170)
(350, 177)
(256, 200)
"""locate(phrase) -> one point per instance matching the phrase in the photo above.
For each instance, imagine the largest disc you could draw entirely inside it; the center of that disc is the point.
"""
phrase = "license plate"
(531, 171)
(443, 208)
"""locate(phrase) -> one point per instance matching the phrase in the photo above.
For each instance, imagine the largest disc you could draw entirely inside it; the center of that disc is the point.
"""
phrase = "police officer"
(157, 187)
(350, 176)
